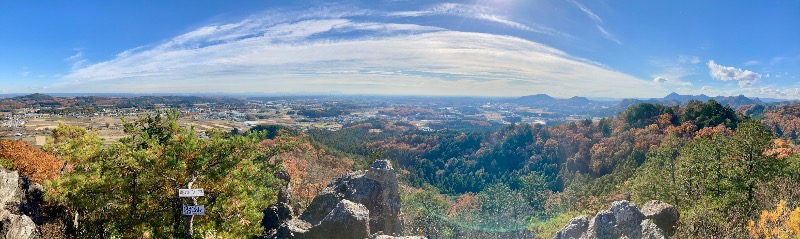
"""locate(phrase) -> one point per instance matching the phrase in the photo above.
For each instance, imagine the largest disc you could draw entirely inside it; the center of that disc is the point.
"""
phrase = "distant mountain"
(572, 106)
(677, 99)
(539, 98)
(36, 97)
(579, 100)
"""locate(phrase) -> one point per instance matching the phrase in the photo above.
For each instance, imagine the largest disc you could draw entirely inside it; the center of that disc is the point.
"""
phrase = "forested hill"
(46, 101)
(728, 172)
(719, 167)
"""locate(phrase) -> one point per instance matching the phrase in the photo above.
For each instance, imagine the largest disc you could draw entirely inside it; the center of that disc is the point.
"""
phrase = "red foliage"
(29, 161)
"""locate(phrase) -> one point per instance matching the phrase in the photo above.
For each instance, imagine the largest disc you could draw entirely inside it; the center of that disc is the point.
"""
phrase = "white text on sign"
(194, 192)
(193, 210)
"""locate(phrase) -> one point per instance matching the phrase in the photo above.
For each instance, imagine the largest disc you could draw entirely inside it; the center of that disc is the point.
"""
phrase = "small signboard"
(193, 210)
(194, 192)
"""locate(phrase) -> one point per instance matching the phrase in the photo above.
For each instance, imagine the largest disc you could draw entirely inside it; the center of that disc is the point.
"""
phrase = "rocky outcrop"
(347, 220)
(376, 189)
(664, 215)
(574, 228)
(623, 220)
(395, 237)
(19, 202)
(370, 196)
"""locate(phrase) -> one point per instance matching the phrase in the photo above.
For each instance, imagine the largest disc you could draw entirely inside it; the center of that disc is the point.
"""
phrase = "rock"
(14, 226)
(377, 189)
(347, 220)
(664, 215)
(627, 219)
(651, 231)
(622, 220)
(9, 181)
(395, 237)
(340, 208)
(601, 226)
(574, 228)
(275, 216)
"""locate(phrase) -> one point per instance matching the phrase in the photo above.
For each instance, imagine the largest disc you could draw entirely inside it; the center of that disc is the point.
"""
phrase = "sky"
(564, 48)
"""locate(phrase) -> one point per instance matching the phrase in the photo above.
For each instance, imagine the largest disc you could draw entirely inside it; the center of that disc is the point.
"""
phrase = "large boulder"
(622, 220)
(9, 180)
(14, 226)
(664, 215)
(347, 220)
(574, 228)
(377, 189)
(340, 208)
(19, 202)
(395, 237)
(651, 231)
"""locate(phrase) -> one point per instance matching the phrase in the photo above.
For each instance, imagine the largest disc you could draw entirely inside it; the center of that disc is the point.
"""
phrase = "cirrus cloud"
(320, 53)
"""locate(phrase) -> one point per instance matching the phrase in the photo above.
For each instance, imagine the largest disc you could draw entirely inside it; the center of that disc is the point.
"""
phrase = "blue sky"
(594, 48)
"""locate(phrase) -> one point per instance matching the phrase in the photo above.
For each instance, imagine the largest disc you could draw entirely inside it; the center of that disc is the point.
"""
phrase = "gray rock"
(14, 226)
(20, 203)
(622, 220)
(627, 219)
(664, 215)
(601, 226)
(9, 181)
(377, 189)
(347, 220)
(337, 211)
(395, 237)
(574, 228)
(651, 231)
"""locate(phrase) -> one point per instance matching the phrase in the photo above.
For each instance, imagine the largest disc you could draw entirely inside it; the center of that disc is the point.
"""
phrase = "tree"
(29, 161)
(699, 167)
(534, 188)
(656, 178)
(129, 189)
(746, 158)
(778, 223)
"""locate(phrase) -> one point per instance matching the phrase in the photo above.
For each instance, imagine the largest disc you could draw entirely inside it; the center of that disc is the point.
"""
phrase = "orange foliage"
(780, 223)
(310, 169)
(707, 132)
(782, 148)
(29, 161)
(465, 202)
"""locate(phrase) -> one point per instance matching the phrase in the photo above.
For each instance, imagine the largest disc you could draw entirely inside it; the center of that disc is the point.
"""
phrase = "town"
(32, 117)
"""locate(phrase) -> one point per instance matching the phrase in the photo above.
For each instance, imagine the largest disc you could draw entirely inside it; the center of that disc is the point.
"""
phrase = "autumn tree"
(129, 189)
(29, 161)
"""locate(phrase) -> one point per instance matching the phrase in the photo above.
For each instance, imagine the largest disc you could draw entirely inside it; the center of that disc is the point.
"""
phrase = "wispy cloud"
(77, 60)
(597, 20)
(752, 63)
(688, 59)
(352, 55)
(474, 12)
(665, 81)
(729, 73)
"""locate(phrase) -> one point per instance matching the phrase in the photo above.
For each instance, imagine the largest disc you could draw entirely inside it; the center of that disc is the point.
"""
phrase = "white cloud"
(77, 60)
(588, 12)
(728, 73)
(665, 81)
(597, 20)
(752, 63)
(689, 59)
(312, 55)
(776, 92)
(474, 12)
